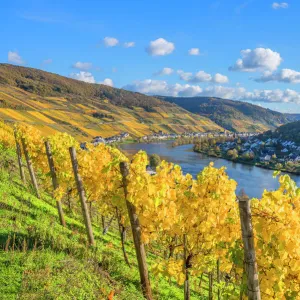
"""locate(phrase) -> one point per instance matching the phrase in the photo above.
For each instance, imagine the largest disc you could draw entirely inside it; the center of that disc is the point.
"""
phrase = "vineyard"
(192, 233)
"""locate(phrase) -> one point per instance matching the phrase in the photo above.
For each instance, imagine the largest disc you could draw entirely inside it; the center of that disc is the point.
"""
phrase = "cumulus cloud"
(259, 59)
(15, 58)
(278, 5)
(194, 51)
(164, 71)
(129, 44)
(84, 66)
(107, 81)
(161, 87)
(202, 76)
(83, 76)
(160, 47)
(219, 78)
(110, 41)
(284, 75)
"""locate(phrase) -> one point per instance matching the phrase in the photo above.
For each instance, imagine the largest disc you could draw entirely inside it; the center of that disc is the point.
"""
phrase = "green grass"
(39, 259)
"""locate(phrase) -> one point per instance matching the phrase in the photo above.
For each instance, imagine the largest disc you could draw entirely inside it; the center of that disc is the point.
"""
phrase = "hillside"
(287, 132)
(40, 259)
(56, 103)
(233, 115)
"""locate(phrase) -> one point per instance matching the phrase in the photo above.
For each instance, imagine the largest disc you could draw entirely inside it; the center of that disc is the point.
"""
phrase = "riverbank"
(240, 160)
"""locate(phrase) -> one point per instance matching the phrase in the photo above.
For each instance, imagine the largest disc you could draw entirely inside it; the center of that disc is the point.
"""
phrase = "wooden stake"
(19, 155)
(210, 290)
(122, 231)
(81, 193)
(187, 293)
(30, 168)
(136, 233)
(103, 223)
(249, 250)
(218, 278)
(54, 182)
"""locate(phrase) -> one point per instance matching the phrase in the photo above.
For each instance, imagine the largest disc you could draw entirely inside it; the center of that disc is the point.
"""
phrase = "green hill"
(56, 103)
(233, 115)
(288, 132)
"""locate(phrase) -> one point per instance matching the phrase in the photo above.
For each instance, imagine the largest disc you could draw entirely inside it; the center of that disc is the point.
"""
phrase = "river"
(250, 178)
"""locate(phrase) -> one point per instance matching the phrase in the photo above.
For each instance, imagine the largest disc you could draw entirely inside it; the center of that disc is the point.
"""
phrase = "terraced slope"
(56, 103)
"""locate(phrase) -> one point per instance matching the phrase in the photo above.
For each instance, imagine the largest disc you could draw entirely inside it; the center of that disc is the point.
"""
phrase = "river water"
(250, 178)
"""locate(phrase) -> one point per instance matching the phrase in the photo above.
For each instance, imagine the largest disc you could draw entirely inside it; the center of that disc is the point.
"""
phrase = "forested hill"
(232, 115)
(52, 85)
(53, 103)
(288, 132)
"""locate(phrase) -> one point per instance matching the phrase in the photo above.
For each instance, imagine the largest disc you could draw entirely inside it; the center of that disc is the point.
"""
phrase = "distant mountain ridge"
(53, 103)
(232, 115)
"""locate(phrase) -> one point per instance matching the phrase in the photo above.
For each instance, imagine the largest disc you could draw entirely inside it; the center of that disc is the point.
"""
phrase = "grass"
(39, 259)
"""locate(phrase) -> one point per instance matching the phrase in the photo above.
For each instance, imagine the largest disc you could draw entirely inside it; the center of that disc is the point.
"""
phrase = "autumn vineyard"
(194, 228)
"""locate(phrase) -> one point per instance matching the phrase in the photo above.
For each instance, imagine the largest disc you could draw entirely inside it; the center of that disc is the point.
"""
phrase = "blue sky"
(244, 50)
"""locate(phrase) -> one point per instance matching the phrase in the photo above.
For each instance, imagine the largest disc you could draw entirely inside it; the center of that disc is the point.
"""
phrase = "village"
(160, 135)
(168, 136)
(275, 149)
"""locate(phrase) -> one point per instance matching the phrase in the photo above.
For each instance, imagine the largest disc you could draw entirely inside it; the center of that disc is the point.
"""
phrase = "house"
(266, 158)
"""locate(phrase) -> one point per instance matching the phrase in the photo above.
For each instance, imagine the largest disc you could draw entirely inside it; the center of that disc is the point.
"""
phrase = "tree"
(233, 154)
(154, 161)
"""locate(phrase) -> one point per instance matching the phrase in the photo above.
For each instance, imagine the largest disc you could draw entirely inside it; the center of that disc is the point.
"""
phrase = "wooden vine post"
(54, 182)
(218, 278)
(187, 292)
(122, 230)
(250, 264)
(30, 168)
(136, 232)
(19, 156)
(210, 286)
(82, 196)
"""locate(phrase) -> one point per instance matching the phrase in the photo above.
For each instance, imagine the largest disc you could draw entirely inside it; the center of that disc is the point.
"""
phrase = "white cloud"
(83, 76)
(164, 71)
(219, 78)
(202, 76)
(84, 66)
(259, 59)
(129, 44)
(283, 96)
(107, 81)
(160, 87)
(186, 76)
(110, 41)
(15, 58)
(278, 5)
(194, 51)
(284, 75)
(160, 47)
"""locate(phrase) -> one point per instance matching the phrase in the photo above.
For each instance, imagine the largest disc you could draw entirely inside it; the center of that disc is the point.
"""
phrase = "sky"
(242, 50)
